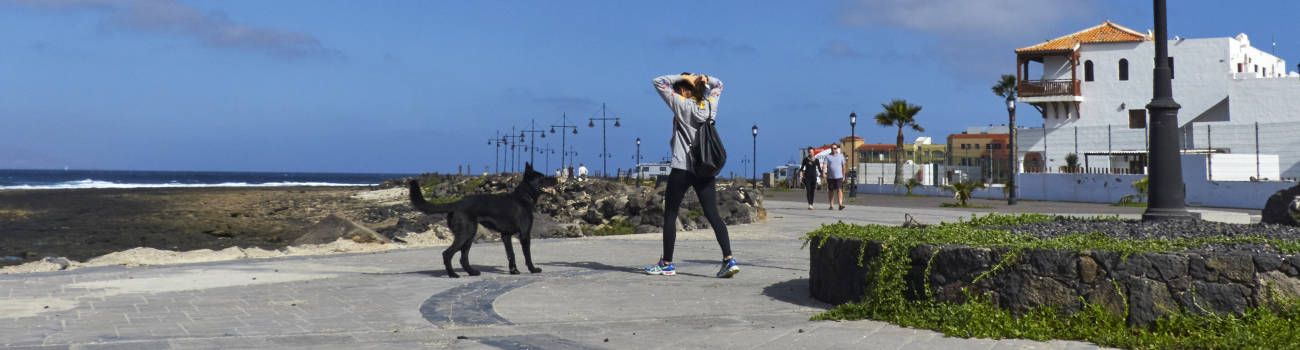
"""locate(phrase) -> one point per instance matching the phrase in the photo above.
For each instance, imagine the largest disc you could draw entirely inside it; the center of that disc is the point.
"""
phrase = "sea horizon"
(11, 179)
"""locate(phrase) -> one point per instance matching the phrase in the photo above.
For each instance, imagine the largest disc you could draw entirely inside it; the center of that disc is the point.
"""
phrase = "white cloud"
(213, 29)
(1000, 19)
(974, 38)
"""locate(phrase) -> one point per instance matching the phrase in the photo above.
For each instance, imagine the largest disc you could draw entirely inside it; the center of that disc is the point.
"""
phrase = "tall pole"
(853, 153)
(604, 155)
(532, 142)
(513, 140)
(564, 125)
(638, 161)
(1166, 170)
(1015, 166)
(755, 155)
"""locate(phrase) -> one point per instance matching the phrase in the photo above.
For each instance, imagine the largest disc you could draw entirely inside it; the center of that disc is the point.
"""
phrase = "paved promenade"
(592, 295)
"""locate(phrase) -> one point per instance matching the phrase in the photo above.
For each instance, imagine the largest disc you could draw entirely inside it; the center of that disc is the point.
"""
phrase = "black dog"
(508, 214)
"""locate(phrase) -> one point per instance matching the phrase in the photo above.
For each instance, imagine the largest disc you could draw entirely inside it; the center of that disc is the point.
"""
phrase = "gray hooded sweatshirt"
(688, 115)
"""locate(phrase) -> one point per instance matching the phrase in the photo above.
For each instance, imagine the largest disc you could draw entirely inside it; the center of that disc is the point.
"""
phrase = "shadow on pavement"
(795, 292)
(591, 265)
(443, 273)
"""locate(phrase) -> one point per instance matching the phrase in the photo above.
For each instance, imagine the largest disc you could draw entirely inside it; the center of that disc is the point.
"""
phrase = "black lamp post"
(754, 130)
(591, 123)
(638, 162)
(563, 125)
(1167, 196)
(514, 140)
(853, 154)
(1011, 183)
(532, 142)
(498, 141)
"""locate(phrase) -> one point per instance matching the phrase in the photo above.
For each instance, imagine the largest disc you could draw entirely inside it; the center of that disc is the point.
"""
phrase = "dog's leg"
(464, 258)
(463, 229)
(525, 238)
(510, 253)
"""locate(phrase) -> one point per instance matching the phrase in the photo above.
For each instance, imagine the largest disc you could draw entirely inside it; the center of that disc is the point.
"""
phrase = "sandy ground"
(143, 256)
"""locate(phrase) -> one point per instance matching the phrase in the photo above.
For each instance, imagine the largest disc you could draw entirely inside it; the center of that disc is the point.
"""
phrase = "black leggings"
(811, 188)
(678, 181)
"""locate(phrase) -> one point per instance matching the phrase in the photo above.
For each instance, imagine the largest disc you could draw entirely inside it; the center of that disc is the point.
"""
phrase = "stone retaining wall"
(1148, 284)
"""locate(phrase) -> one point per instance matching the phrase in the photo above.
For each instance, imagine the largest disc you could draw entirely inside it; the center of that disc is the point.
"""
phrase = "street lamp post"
(853, 154)
(1015, 167)
(496, 154)
(638, 162)
(1167, 197)
(513, 140)
(754, 130)
(591, 123)
(563, 125)
(532, 142)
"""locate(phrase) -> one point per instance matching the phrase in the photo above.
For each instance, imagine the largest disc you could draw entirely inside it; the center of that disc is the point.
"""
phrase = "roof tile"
(1107, 32)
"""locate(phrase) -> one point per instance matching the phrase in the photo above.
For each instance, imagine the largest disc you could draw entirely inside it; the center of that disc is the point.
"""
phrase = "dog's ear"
(528, 166)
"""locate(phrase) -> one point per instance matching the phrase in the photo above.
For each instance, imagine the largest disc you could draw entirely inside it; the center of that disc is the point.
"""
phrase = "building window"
(977, 146)
(663, 168)
(1123, 69)
(1240, 68)
(1087, 70)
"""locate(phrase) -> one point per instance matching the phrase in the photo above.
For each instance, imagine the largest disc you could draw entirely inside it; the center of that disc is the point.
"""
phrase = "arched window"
(1123, 69)
(1087, 70)
(1239, 68)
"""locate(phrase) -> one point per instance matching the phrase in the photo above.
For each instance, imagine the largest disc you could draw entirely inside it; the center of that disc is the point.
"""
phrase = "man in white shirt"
(582, 171)
(834, 173)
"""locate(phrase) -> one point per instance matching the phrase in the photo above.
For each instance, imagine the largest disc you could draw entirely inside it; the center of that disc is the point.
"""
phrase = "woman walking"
(694, 101)
(809, 171)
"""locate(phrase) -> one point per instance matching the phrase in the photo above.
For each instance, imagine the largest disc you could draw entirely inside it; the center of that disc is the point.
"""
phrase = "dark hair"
(698, 91)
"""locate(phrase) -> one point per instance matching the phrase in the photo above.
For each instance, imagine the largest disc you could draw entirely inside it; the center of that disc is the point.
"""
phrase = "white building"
(650, 170)
(1093, 87)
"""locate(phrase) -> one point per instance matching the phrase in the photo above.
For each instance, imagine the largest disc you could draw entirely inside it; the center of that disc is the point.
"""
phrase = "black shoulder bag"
(708, 155)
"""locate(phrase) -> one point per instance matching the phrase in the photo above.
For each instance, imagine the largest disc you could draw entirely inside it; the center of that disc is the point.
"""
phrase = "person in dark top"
(810, 171)
(694, 101)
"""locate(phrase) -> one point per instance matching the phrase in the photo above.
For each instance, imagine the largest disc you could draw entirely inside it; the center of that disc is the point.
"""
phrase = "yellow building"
(920, 152)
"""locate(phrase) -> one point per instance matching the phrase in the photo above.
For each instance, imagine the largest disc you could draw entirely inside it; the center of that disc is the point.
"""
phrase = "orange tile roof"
(1107, 32)
(877, 147)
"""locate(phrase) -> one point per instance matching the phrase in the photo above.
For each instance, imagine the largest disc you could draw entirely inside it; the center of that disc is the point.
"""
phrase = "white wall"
(1096, 188)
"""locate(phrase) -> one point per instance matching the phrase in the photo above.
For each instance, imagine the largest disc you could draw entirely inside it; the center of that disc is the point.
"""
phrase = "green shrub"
(615, 227)
(1258, 328)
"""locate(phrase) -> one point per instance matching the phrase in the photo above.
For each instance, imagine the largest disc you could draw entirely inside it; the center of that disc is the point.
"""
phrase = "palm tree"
(962, 190)
(899, 113)
(1006, 87)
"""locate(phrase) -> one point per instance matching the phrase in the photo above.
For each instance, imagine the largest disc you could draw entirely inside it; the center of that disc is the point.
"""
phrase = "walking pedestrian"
(809, 171)
(694, 101)
(834, 172)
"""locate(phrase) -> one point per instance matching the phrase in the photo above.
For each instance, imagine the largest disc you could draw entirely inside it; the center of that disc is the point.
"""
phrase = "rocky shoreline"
(71, 226)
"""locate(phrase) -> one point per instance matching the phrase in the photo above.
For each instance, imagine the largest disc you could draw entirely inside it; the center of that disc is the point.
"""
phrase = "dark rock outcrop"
(577, 208)
(1143, 286)
(1281, 208)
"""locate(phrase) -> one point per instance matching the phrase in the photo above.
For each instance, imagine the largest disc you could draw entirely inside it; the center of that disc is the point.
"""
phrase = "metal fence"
(1118, 149)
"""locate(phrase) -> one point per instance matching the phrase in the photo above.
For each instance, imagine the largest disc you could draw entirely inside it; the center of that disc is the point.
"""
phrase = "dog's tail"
(417, 200)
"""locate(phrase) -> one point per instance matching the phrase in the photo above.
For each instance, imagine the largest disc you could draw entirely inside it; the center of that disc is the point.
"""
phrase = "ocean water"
(73, 179)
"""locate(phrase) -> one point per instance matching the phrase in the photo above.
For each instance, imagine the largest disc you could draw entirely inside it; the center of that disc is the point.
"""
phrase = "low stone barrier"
(1142, 286)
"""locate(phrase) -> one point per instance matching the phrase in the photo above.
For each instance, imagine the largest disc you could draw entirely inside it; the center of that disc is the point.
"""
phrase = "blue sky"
(421, 86)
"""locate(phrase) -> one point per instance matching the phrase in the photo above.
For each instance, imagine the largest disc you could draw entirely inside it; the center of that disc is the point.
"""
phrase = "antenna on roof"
(1274, 45)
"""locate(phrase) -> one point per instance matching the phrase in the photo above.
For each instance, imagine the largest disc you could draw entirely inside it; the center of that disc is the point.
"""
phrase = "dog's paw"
(534, 269)
(514, 271)
(472, 272)
(452, 275)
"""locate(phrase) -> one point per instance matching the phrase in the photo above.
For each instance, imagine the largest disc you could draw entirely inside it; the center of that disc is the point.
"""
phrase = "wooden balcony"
(1036, 88)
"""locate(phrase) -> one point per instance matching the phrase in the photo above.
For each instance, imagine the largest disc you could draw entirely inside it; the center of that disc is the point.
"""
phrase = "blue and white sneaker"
(661, 269)
(728, 269)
